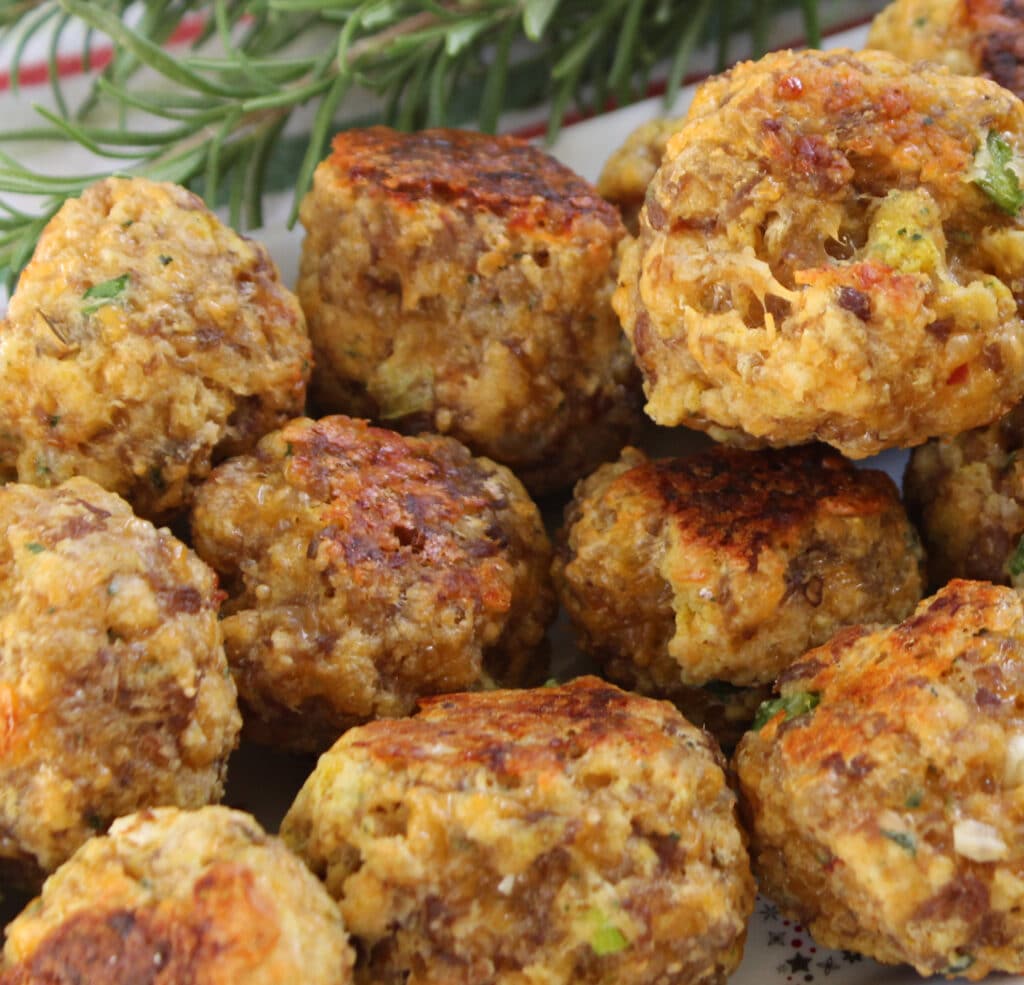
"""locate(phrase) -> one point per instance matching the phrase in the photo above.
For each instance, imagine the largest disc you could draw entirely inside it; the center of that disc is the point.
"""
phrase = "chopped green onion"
(606, 938)
(100, 294)
(997, 177)
(793, 705)
(1016, 562)
(904, 839)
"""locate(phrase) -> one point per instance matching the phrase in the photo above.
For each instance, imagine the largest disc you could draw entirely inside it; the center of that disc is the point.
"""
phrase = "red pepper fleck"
(958, 375)
(790, 87)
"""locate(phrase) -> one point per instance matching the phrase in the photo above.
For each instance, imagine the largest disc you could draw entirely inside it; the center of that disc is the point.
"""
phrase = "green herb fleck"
(53, 420)
(921, 21)
(606, 937)
(34, 547)
(793, 705)
(904, 839)
(289, 449)
(104, 293)
(164, 259)
(913, 800)
(1016, 562)
(997, 179)
(156, 479)
(962, 963)
(94, 821)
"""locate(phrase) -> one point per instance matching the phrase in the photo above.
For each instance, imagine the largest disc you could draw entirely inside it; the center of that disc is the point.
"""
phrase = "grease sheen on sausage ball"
(573, 834)
(144, 342)
(114, 690)
(365, 569)
(461, 283)
(819, 257)
(971, 37)
(174, 897)
(886, 787)
(726, 566)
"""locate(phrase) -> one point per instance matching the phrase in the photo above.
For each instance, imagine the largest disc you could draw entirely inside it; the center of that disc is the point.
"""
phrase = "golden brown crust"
(503, 175)
(190, 351)
(365, 569)
(114, 689)
(972, 37)
(885, 815)
(720, 569)
(967, 496)
(566, 834)
(171, 898)
(817, 259)
(461, 284)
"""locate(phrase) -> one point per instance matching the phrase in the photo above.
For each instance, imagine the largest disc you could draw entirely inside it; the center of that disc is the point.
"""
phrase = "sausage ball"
(461, 283)
(365, 569)
(833, 249)
(180, 898)
(724, 567)
(573, 834)
(970, 37)
(145, 341)
(628, 172)
(967, 495)
(885, 787)
(114, 689)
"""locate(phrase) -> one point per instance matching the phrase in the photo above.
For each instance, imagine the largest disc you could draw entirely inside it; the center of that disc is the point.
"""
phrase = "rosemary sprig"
(212, 116)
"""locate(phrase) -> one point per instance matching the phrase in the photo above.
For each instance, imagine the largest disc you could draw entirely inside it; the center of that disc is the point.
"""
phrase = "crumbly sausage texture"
(817, 257)
(971, 37)
(967, 496)
(629, 170)
(114, 689)
(573, 834)
(175, 897)
(365, 569)
(728, 565)
(461, 283)
(887, 818)
(145, 341)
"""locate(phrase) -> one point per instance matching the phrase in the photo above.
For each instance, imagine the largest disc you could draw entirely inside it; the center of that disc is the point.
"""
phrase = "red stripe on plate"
(68, 66)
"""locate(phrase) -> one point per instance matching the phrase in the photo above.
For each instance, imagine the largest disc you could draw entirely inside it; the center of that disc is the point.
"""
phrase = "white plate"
(264, 782)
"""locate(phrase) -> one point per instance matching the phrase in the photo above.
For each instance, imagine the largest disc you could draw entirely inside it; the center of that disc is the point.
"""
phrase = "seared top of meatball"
(882, 683)
(739, 501)
(534, 732)
(179, 898)
(393, 500)
(505, 176)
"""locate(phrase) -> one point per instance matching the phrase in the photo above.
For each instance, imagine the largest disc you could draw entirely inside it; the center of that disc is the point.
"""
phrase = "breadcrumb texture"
(365, 569)
(629, 170)
(971, 37)
(174, 897)
(887, 818)
(461, 283)
(114, 689)
(574, 834)
(817, 259)
(728, 565)
(967, 496)
(145, 341)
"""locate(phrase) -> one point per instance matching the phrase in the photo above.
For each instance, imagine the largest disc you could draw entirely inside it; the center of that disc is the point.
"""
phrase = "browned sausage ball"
(175, 897)
(726, 566)
(573, 834)
(145, 341)
(967, 495)
(114, 690)
(971, 37)
(629, 170)
(461, 283)
(365, 569)
(833, 249)
(885, 787)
